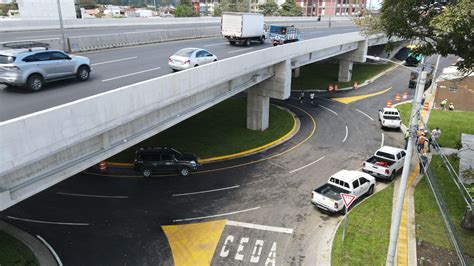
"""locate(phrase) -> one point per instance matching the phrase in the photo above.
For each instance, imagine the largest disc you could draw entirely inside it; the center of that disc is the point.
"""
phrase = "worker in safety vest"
(451, 107)
(443, 104)
(421, 142)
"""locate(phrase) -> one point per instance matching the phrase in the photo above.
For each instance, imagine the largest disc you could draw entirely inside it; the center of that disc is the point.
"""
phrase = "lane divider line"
(215, 215)
(216, 44)
(44, 222)
(347, 133)
(92, 196)
(328, 109)
(113, 61)
(131, 74)
(205, 191)
(261, 227)
(304, 166)
(240, 50)
(365, 114)
(55, 255)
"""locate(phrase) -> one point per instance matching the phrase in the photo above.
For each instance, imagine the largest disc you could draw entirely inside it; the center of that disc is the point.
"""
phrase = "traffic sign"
(348, 199)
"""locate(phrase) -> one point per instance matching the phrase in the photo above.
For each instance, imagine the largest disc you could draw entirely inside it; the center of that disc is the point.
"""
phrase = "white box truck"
(243, 28)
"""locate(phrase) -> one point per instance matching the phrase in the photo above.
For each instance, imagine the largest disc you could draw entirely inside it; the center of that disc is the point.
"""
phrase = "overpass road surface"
(115, 68)
(247, 211)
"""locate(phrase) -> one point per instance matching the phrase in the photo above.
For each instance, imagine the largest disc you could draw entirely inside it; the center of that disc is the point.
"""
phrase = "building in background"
(331, 7)
(46, 9)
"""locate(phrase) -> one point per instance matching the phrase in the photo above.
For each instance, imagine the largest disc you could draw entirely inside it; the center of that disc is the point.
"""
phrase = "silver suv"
(33, 67)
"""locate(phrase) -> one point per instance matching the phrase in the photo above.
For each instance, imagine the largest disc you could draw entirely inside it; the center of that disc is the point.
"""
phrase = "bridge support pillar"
(345, 70)
(258, 111)
(296, 72)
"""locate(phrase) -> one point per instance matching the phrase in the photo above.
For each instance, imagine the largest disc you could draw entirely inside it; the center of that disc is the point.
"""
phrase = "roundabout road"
(254, 210)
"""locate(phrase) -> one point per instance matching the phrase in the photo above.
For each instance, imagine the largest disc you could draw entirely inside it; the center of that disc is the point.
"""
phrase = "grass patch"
(431, 227)
(14, 252)
(368, 232)
(219, 130)
(320, 75)
(452, 124)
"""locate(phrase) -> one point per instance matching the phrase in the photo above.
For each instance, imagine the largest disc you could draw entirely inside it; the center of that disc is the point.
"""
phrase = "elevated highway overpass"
(43, 148)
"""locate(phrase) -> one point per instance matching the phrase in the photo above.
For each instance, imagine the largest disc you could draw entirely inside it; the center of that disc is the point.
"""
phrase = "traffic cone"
(397, 97)
(426, 106)
(405, 95)
(388, 104)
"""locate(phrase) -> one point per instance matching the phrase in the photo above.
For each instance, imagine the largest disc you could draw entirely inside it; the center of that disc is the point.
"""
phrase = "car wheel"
(215, 60)
(83, 73)
(247, 42)
(35, 82)
(174, 70)
(370, 191)
(275, 44)
(184, 171)
(196, 65)
(147, 172)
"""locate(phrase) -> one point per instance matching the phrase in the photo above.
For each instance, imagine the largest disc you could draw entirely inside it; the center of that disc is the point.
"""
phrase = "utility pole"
(415, 114)
(61, 26)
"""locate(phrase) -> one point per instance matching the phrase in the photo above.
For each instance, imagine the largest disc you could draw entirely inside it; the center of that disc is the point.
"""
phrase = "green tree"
(290, 9)
(185, 10)
(440, 30)
(269, 8)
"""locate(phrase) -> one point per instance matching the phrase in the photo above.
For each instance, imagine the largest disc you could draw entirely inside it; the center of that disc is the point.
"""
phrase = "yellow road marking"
(194, 244)
(238, 165)
(347, 100)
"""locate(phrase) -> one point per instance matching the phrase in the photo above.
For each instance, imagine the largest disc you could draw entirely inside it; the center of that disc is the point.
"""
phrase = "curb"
(365, 83)
(42, 253)
(281, 140)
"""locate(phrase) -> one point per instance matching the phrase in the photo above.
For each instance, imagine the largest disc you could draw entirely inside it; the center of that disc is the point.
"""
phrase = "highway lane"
(115, 68)
(274, 192)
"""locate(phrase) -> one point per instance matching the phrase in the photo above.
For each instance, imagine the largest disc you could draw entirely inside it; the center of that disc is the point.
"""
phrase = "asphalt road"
(101, 220)
(115, 68)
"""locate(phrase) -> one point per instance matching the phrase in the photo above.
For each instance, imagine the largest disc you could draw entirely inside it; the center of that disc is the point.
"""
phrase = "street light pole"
(61, 26)
(415, 114)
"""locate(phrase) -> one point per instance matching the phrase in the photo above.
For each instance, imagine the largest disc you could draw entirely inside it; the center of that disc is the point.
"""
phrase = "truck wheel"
(370, 191)
(392, 176)
(147, 172)
(262, 40)
(247, 42)
(232, 43)
(184, 171)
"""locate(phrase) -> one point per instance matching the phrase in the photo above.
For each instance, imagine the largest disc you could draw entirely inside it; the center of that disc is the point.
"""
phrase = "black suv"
(151, 160)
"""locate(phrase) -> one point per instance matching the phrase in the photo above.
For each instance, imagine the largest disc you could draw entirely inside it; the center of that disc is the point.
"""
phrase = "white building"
(37, 9)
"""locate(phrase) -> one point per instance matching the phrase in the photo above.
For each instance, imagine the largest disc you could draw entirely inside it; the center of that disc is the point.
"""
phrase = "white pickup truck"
(385, 163)
(389, 118)
(327, 197)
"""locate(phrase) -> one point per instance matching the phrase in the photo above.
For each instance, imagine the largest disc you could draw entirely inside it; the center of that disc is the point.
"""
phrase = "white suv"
(33, 67)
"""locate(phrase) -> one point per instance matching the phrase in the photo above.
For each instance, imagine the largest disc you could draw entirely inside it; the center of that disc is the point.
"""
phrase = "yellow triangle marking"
(351, 99)
(194, 244)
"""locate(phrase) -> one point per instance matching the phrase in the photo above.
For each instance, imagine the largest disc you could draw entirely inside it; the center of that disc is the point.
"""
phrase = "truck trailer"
(243, 28)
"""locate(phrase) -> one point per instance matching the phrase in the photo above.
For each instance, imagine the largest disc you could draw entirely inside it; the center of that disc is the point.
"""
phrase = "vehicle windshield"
(276, 29)
(6, 59)
(185, 52)
(389, 117)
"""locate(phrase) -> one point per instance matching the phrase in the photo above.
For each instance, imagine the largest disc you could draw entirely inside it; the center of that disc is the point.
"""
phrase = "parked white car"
(386, 162)
(327, 197)
(189, 58)
(389, 118)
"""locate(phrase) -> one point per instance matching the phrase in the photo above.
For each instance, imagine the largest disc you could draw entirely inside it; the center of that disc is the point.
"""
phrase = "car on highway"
(33, 67)
(190, 57)
(328, 196)
(390, 118)
(385, 163)
(162, 159)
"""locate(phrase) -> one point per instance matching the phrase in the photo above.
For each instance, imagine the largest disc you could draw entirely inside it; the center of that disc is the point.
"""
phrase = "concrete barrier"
(53, 43)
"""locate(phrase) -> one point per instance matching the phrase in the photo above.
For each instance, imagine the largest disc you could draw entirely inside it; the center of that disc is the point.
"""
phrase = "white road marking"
(58, 260)
(44, 222)
(261, 227)
(327, 109)
(216, 215)
(113, 61)
(304, 166)
(364, 114)
(381, 145)
(240, 50)
(205, 191)
(131, 74)
(347, 133)
(92, 196)
(216, 44)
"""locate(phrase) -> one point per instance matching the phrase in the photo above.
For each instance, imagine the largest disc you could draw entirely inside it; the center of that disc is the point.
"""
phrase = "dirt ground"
(428, 254)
